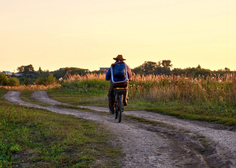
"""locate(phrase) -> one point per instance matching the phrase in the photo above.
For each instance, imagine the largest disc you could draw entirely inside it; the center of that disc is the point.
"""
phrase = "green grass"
(84, 92)
(186, 111)
(2, 92)
(39, 138)
(78, 98)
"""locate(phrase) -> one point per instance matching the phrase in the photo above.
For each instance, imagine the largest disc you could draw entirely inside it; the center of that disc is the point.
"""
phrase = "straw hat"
(119, 57)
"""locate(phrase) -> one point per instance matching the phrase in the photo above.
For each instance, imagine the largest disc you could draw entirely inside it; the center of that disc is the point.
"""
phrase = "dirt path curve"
(172, 143)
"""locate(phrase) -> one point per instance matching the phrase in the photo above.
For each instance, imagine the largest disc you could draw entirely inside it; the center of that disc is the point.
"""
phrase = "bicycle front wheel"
(120, 107)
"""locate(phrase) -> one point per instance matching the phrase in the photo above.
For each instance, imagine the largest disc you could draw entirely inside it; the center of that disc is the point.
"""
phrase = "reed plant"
(205, 95)
(208, 96)
(215, 89)
(210, 89)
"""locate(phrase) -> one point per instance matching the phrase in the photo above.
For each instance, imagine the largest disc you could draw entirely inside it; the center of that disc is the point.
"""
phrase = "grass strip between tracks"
(80, 108)
(26, 96)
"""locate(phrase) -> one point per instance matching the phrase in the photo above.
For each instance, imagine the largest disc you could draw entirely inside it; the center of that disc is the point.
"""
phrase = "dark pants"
(111, 96)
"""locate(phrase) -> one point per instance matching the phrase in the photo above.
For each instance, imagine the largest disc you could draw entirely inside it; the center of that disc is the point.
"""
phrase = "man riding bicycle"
(119, 74)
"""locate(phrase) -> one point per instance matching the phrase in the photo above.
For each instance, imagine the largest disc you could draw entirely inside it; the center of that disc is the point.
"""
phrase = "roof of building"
(104, 68)
(6, 71)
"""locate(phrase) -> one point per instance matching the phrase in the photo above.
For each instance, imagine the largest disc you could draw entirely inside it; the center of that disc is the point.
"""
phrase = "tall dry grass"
(31, 87)
(214, 89)
(70, 78)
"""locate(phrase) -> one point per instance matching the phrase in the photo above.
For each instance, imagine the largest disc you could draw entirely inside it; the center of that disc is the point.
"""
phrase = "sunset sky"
(88, 33)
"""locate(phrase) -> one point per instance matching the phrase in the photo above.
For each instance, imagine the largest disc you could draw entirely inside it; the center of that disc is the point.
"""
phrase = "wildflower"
(60, 80)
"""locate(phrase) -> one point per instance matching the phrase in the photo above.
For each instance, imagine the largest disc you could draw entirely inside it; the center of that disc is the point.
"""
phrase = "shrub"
(13, 82)
(46, 81)
(3, 79)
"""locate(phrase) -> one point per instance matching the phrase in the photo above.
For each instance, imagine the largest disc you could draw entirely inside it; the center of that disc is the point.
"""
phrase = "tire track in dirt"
(178, 144)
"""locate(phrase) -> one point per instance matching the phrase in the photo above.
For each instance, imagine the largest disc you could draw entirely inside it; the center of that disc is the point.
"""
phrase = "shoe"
(111, 112)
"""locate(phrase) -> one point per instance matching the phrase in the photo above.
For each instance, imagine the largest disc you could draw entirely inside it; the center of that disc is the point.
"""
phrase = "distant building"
(7, 72)
(18, 74)
(73, 68)
(104, 70)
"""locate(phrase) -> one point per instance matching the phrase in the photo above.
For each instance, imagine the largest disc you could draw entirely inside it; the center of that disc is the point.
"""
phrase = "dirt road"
(172, 143)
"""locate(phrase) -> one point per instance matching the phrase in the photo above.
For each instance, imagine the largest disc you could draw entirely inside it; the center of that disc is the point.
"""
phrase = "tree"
(149, 67)
(73, 71)
(166, 64)
(199, 66)
(21, 69)
(28, 68)
(25, 69)
(40, 71)
(227, 69)
(177, 71)
(137, 70)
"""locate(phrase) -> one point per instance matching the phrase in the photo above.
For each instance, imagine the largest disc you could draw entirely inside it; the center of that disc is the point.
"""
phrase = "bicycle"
(119, 105)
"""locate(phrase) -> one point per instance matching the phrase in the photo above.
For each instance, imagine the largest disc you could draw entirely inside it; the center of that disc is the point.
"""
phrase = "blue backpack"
(119, 70)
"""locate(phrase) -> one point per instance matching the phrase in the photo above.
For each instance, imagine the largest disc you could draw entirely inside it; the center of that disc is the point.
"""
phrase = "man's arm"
(129, 72)
(108, 74)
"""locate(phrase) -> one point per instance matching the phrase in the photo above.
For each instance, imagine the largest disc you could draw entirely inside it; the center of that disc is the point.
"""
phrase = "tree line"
(164, 67)
(27, 75)
(149, 67)
(30, 76)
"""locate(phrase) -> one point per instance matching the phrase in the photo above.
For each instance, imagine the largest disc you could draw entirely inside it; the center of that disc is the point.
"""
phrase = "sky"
(52, 34)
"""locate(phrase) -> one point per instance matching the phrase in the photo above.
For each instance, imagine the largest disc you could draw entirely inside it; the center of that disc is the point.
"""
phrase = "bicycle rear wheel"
(116, 108)
(120, 101)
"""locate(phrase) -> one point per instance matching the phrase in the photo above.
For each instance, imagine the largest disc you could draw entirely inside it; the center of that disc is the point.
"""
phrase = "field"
(39, 138)
(210, 98)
